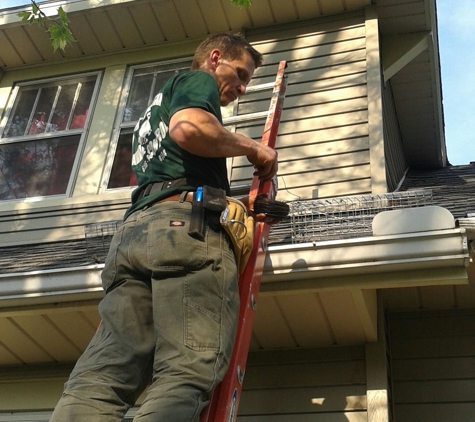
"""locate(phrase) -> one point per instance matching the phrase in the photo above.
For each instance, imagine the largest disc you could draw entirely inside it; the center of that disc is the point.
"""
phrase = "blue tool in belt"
(197, 220)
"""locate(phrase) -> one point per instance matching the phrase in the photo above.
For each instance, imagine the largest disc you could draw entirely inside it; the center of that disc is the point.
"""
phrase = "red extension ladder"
(225, 399)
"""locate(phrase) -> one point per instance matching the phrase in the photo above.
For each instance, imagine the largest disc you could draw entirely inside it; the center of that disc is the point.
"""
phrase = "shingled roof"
(453, 187)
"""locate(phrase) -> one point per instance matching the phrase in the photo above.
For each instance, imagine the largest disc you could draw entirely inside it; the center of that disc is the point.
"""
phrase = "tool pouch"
(240, 228)
(230, 214)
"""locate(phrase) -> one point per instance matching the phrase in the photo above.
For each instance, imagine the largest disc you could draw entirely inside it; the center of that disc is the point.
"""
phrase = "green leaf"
(241, 3)
(60, 36)
(25, 16)
(62, 15)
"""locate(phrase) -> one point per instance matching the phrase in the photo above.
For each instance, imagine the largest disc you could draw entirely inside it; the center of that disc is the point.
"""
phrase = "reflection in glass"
(122, 174)
(37, 168)
(21, 113)
(145, 86)
(54, 107)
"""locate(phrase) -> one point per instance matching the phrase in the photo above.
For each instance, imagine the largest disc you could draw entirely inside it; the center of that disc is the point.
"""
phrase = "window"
(142, 85)
(41, 140)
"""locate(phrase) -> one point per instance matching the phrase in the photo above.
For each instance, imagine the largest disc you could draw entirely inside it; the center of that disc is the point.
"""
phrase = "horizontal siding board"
(310, 26)
(329, 136)
(438, 412)
(435, 326)
(360, 416)
(434, 391)
(299, 400)
(326, 354)
(318, 150)
(305, 375)
(312, 40)
(320, 78)
(307, 172)
(434, 347)
(433, 365)
(434, 368)
(320, 56)
(348, 188)
(329, 101)
(315, 124)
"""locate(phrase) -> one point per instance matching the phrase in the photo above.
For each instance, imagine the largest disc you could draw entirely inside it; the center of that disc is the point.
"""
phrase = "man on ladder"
(170, 311)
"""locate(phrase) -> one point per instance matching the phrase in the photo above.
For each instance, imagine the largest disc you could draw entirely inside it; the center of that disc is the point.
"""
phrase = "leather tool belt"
(240, 228)
(231, 215)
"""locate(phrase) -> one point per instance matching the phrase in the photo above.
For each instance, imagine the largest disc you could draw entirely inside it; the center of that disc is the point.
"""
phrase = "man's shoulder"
(191, 77)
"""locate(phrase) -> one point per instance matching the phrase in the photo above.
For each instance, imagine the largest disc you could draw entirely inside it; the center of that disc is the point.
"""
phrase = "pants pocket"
(170, 246)
(203, 302)
(110, 270)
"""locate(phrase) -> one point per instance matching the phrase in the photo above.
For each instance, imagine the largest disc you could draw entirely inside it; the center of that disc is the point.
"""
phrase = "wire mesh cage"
(98, 237)
(343, 217)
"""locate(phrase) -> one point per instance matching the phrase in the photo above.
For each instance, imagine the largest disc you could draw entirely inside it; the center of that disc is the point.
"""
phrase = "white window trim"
(84, 132)
(119, 126)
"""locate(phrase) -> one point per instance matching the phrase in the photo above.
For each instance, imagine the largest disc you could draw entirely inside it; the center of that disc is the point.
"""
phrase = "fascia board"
(369, 255)
(436, 257)
(42, 287)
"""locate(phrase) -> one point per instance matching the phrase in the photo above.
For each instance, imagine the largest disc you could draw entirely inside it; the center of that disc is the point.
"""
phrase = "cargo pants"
(169, 319)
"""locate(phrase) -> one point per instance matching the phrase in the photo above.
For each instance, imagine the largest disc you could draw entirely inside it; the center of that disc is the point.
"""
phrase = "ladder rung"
(234, 120)
(260, 87)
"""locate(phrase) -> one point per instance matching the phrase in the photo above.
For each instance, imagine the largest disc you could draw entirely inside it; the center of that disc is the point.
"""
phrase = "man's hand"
(199, 132)
(265, 161)
(262, 218)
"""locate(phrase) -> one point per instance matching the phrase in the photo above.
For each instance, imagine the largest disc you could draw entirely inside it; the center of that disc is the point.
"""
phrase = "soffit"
(417, 87)
(109, 26)
(119, 26)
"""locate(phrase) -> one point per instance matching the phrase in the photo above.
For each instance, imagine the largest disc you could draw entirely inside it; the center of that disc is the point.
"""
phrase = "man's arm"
(199, 132)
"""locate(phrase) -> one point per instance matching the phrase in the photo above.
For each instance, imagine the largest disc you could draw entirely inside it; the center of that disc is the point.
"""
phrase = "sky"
(457, 56)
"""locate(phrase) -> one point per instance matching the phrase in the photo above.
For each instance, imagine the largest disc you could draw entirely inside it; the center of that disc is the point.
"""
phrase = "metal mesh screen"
(98, 237)
(341, 218)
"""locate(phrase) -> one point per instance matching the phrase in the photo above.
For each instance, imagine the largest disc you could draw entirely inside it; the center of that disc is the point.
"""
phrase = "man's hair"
(232, 47)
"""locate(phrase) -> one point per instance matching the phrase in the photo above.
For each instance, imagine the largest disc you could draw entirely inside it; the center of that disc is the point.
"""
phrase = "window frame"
(83, 132)
(120, 126)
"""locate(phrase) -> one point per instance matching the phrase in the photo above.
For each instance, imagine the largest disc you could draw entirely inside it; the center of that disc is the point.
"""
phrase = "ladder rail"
(225, 399)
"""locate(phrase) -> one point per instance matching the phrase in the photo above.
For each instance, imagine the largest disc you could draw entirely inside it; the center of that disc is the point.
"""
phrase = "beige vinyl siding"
(433, 365)
(305, 385)
(396, 163)
(323, 140)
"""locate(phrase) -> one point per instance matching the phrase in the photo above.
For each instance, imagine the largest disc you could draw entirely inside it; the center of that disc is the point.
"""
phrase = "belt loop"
(183, 196)
(147, 190)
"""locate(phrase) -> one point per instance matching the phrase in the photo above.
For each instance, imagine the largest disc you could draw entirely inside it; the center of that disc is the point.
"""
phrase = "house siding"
(396, 163)
(433, 365)
(323, 140)
(328, 384)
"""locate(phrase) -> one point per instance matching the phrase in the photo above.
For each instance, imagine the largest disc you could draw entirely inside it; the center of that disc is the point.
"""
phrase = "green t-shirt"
(156, 157)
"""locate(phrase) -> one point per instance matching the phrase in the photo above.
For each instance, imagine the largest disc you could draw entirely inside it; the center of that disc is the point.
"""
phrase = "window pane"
(138, 97)
(146, 83)
(82, 106)
(43, 111)
(53, 107)
(36, 168)
(62, 110)
(20, 115)
(122, 174)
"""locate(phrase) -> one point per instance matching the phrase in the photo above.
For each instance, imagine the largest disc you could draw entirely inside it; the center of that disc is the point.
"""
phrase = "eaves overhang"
(402, 260)
(408, 31)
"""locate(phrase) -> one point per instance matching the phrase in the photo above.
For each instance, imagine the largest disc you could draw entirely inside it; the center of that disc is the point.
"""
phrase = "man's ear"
(215, 57)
